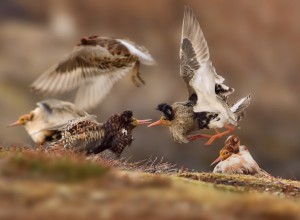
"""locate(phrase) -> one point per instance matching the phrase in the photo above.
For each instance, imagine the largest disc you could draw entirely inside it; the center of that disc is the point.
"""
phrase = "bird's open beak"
(216, 160)
(155, 123)
(145, 121)
(14, 124)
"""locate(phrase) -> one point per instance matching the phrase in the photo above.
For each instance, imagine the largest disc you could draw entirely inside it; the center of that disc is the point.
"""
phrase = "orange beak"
(155, 123)
(216, 160)
(145, 121)
(17, 123)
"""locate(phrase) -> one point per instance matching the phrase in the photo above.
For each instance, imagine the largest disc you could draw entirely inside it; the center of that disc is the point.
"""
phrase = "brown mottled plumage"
(94, 66)
(236, 159)
(87, 135)
(179, 118)
(48, 114)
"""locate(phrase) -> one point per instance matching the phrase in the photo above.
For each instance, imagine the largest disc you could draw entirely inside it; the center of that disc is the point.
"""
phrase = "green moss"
(62, 169)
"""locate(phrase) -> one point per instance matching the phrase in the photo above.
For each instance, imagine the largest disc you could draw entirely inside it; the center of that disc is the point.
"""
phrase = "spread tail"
(239, 107)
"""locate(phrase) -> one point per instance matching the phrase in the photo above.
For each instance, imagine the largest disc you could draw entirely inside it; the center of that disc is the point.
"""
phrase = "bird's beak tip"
(155, 123)
(145, 121)
(13, 124)
(216, 161)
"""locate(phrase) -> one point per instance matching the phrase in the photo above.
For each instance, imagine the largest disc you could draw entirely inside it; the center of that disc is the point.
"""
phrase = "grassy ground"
(44, 185)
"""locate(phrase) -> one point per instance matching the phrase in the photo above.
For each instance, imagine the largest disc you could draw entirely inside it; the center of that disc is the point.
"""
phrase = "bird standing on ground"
(85, 134)
(94, 66)
(207, 106)
(236, 159)
(39, 123)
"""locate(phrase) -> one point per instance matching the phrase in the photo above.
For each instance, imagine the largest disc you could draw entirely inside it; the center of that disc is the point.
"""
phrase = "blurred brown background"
(254, 44)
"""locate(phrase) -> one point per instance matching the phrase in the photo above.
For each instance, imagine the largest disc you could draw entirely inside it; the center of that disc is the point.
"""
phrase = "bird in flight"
(94, 66)
(207, 106)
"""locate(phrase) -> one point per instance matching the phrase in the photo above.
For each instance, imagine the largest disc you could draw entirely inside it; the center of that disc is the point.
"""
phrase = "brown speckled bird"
(236, 159)
(39, 123)
(94, 66)
(207, 106)
(179, 118)
(87, 135)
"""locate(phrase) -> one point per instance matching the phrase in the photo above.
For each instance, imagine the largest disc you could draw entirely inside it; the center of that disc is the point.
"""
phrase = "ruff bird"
(207, 106)
(39, 123)
(236, 159)
(85, 134)
(94, 66)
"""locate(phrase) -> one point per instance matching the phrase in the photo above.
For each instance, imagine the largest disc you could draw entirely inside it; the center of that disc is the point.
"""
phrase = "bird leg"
(229, 128)
(198, 136)
(136, 76)
(212, 138)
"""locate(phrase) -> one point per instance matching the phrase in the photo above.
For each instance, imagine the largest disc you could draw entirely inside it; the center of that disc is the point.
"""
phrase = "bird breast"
(241, 163)
(183, 123)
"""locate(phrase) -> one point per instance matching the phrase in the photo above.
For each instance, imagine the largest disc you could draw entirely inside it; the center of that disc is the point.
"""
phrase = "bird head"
(232, 140)
(232, 146)
(168, 116)
(22, 120)
(127, 118)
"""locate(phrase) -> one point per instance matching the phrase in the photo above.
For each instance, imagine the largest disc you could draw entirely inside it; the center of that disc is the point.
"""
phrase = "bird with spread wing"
(93, 67)
(207, 106)
(39, 123)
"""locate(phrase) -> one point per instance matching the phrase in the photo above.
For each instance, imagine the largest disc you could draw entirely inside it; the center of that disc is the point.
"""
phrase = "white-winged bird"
(39, 122)
(236, 159)
(93, 67)
(85, 134)
(207, 106)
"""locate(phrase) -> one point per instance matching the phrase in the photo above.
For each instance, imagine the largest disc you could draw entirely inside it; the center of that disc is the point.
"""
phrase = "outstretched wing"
(97, 60)
(56, 112)
(195, 67)
(94, 91)
(193, 49)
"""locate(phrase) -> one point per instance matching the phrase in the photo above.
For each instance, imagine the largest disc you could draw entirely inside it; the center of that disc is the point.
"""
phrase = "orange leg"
(219, 135)
(212, 138)
(198, 136)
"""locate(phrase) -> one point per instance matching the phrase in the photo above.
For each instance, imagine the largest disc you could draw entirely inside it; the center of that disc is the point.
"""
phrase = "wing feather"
(94, 91)
(92, 68)
(195, 66)
(82, 64)
(55, 112)
(82, 134)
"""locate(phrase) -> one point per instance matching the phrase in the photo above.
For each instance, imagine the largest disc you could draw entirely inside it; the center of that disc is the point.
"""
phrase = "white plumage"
(201, 77)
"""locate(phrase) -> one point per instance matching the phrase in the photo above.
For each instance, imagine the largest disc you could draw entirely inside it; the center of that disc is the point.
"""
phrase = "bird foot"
(219, 135)
(137, 79)
(211, 138)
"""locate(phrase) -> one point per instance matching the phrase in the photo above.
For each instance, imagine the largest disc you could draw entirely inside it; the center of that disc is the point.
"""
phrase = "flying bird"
(39, 123)
(207, 106)
(87, 135)
(94, 66)
(236, 159)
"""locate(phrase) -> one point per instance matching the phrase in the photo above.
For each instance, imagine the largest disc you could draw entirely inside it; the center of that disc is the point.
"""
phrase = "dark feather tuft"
(127, 115)
(167, 110)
